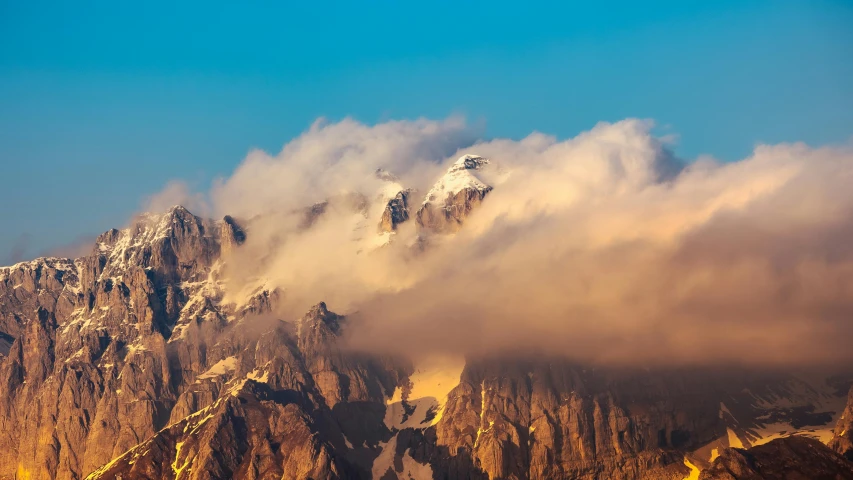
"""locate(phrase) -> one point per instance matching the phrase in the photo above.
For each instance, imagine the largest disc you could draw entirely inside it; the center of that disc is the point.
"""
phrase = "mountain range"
(142, 360)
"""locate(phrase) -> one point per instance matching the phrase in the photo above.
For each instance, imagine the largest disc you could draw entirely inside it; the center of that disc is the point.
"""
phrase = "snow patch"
(260, 376)
(219, 368)
(457, 178)
(385, 459)
(480, 430)
(694, 470)
(135, 348)
(432, 381)
(411, 468)
(178, 469)
(734, 441)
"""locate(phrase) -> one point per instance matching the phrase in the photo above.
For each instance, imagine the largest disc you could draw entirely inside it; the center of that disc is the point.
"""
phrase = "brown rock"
(841, 442)
(789, 458)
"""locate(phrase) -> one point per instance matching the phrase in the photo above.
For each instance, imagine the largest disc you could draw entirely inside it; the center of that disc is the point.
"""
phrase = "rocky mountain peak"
(176, 244)
(236, 230)
(108, 238)
(470, 162)
(319, 311)
(460, 176)
(319, 315)
(231, 235)
(454, 196)
(396, 198)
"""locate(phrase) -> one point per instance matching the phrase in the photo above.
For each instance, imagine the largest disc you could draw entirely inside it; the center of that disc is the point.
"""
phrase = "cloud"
(331, 159)
(334, 260)
(603, 247)
(177, 192)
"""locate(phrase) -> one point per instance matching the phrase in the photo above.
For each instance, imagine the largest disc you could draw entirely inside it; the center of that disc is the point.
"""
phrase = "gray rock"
(396, 212)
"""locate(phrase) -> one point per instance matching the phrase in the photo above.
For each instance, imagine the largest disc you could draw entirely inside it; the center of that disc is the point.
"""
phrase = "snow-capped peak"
(468, 162)
(459, 177)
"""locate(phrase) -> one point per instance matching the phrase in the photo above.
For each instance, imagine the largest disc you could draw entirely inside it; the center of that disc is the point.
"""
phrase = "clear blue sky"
(101, 103)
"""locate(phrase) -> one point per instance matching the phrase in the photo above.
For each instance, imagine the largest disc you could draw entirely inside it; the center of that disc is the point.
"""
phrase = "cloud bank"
(603, 247)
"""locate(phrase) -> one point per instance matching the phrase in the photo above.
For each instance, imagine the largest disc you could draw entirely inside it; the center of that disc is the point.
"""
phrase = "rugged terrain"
(135, 362)
(790, 458)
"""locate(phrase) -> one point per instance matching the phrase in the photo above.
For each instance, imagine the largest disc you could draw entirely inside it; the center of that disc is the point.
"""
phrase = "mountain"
(293, 407)
(137, 361)
(454, 196)
(104, 344)
(788, 458)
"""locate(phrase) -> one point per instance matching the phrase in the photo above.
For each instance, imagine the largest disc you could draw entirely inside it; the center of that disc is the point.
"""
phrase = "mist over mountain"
(606, 245)
(408, 300)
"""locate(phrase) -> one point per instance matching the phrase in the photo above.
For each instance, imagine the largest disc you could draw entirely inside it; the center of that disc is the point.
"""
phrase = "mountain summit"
(452, 198)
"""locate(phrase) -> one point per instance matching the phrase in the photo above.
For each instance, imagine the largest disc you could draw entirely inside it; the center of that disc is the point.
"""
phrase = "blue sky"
(101, 103)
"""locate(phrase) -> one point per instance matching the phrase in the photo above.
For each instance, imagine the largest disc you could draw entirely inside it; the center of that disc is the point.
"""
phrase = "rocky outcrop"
(232, 235)
(842, 440)
(788, 458)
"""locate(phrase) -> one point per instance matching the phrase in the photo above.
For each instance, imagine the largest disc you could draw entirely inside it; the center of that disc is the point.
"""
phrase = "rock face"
(547, 418)
(102, 346)
(232, 235)
(454, 196)
(295, 407)
(841, 442)
(551, 419)
(790, 458)
(396, 212)
(129, 363)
